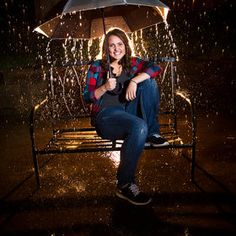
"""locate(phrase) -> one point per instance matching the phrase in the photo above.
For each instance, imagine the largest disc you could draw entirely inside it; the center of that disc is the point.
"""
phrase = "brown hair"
(126, 60)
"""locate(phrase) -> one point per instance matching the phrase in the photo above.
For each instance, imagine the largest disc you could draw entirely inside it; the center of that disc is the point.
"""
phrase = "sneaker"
(131, 193)
(156, 141)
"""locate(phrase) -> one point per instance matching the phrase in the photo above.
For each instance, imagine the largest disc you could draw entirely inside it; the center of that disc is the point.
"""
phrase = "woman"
(124, 107)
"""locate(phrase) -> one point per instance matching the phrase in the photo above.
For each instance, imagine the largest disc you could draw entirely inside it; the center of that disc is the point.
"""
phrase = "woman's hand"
(110, 84)
(131, 91)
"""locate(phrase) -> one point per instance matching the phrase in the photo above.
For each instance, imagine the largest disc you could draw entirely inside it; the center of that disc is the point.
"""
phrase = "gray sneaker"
(131, 193)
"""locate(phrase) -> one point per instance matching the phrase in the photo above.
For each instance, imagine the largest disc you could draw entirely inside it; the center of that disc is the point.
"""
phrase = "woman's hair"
(126, 60)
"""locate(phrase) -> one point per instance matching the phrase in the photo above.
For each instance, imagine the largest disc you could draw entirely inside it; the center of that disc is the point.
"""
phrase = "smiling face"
(116, 47)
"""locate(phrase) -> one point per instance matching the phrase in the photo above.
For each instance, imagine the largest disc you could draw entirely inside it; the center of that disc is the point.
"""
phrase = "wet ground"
(77, 196)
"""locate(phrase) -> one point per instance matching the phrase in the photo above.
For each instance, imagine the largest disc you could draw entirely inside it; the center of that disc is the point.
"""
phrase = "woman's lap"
(115, 123)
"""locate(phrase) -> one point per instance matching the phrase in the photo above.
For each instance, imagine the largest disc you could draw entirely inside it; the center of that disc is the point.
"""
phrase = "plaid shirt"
(96, 76)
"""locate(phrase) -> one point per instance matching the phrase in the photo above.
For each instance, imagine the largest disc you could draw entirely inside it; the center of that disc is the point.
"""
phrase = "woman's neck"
(115, 63)
(117, 68)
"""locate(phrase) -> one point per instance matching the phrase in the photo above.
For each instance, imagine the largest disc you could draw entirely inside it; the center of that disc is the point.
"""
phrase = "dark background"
(77, 194)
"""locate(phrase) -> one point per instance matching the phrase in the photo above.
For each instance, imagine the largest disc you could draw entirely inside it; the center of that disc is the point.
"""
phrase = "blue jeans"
(132, 123)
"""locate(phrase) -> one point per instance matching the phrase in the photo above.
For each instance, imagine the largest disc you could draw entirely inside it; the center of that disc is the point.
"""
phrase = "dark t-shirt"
(117, 96)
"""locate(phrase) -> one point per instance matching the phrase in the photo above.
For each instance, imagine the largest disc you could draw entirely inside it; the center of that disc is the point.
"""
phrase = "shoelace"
(134, 189)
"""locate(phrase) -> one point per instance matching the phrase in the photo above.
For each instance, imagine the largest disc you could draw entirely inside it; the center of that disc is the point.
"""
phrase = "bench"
(83, 138)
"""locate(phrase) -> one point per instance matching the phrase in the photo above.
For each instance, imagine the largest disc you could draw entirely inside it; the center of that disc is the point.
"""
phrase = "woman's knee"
(139, 128)
(149, 83)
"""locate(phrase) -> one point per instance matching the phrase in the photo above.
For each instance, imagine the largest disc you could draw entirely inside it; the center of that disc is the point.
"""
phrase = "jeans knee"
(148, 83)
(140, 129)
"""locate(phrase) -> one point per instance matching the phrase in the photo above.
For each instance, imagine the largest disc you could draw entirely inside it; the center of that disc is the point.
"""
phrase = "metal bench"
(84, 139)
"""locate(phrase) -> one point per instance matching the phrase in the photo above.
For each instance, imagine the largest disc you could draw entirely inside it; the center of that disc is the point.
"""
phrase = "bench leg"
(193, 164)
(36, 168)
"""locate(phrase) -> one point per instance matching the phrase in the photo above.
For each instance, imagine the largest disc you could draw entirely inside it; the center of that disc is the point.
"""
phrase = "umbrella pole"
(107, 52)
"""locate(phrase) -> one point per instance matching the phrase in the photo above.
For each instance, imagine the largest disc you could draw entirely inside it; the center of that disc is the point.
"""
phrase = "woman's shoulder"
(136, 60)
(96, 65)
(96, 62)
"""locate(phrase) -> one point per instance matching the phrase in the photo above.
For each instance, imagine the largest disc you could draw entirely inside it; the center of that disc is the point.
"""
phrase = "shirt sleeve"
(148, 67)
(91, 83)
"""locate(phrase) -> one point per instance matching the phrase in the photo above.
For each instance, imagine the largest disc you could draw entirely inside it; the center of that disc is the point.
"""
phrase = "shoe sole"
(134, 203)
(148, 144)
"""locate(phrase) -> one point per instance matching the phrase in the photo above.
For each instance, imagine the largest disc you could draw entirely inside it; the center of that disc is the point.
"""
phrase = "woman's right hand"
(110, 84)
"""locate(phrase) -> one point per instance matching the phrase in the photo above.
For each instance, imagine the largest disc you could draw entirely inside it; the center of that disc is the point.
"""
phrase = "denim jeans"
(132, 123)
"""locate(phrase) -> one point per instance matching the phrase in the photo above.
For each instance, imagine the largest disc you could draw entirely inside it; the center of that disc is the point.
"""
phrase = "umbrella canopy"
(85, 19)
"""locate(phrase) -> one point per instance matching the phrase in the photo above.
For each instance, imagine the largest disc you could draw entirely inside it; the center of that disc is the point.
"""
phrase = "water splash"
(148, 43)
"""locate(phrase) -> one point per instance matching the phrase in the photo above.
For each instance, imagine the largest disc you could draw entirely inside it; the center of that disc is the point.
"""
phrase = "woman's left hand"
(131, 91)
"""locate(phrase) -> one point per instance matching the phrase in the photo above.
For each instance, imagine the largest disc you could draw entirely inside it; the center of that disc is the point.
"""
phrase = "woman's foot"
(156, 141)
(131, 193)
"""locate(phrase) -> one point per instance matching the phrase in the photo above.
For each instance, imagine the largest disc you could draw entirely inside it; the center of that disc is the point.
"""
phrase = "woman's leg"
(115, 123)
(146, 105)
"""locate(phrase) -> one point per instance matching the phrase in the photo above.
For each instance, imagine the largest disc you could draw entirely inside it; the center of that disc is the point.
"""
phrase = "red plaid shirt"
(96, 75)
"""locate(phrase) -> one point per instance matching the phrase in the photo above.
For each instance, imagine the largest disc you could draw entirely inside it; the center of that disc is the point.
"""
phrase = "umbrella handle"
(107, 52)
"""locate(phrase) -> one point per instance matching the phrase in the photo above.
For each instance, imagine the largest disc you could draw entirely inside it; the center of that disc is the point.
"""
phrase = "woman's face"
(116, 47)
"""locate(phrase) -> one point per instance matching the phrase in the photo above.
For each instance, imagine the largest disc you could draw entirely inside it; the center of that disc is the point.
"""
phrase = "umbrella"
(90, 19)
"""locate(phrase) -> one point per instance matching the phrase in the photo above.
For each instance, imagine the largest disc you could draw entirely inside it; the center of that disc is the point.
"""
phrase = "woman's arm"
(108, 86)
(141, 71)
(138, 66)
(140, 77)
(94, 89)
(132, 87)
(91, 83)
